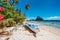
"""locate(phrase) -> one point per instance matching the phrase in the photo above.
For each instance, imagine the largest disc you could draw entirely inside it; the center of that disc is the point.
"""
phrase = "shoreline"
(48, 28)
(44, 34)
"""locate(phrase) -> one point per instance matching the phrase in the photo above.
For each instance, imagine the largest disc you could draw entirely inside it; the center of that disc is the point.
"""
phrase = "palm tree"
(27, 6)
(15, 1)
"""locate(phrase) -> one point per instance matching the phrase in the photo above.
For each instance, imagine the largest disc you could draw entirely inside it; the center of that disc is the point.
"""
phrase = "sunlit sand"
(23, 34)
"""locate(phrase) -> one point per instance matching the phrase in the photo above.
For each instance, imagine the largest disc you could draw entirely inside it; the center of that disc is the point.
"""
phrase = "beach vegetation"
(9, 16)
(27, 6)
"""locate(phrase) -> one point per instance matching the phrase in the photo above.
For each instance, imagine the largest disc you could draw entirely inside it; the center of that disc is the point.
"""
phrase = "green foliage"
(1, 25)
(15, 1)
(11, 17)
(27, 6)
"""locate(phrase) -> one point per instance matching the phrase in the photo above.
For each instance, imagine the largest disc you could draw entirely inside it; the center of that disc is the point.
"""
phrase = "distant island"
(38, 18)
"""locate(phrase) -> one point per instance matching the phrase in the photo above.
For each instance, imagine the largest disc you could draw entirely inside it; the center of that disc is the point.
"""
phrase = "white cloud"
(53, 18)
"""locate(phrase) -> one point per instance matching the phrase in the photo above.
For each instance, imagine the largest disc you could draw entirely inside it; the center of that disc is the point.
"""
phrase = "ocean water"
(53, 26)
(52, 23)
(55, 23)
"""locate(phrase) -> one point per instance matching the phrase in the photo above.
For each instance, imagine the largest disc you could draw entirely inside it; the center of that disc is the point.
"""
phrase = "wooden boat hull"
(33, 29)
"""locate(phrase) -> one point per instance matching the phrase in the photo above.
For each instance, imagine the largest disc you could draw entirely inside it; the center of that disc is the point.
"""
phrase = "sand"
(22, 34)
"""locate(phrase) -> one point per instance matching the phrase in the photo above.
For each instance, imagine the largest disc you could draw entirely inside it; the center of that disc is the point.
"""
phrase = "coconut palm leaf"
(27, 6)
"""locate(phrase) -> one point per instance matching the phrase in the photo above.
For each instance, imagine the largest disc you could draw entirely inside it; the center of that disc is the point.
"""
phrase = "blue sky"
(47, 9)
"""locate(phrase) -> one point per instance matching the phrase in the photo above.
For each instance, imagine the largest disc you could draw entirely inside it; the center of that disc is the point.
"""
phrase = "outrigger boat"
(33, 27)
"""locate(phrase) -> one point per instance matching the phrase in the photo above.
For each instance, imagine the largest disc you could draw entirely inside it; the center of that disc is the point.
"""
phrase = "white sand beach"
(44, 34)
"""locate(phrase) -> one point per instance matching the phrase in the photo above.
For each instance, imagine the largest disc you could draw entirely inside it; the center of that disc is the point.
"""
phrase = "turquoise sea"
(52, 23)
(55, 24)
